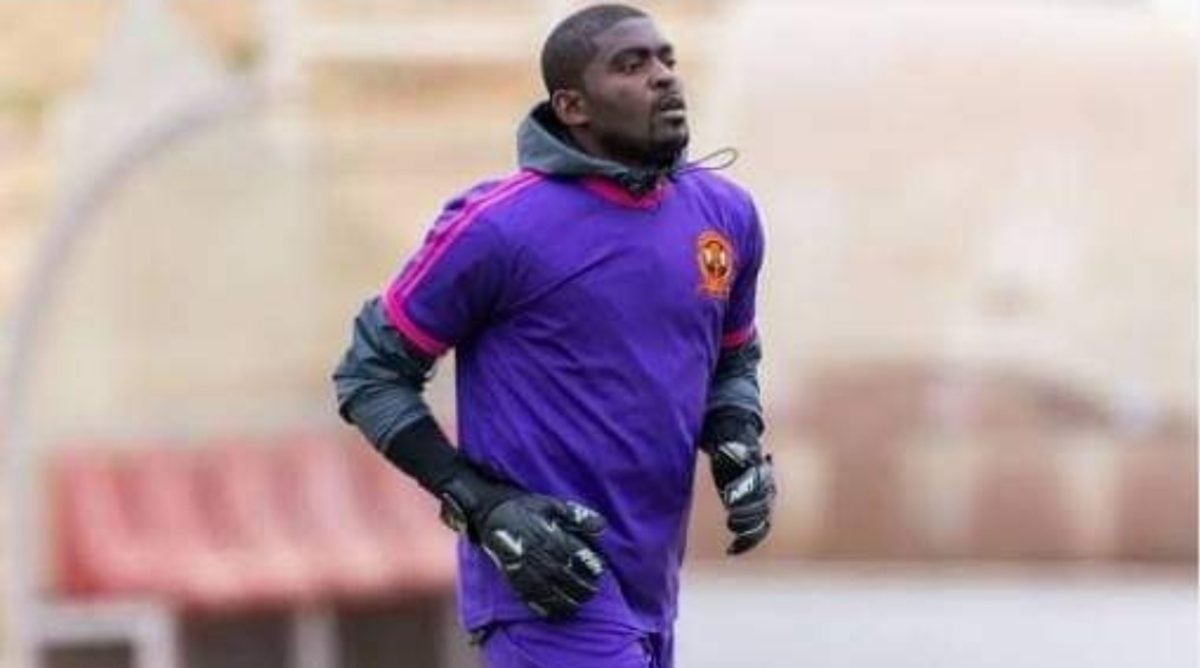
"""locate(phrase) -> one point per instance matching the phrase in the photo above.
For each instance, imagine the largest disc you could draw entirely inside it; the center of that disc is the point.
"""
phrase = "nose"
(663, 77)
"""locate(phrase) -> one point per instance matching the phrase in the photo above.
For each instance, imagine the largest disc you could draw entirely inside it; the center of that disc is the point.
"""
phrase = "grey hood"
(543, 145)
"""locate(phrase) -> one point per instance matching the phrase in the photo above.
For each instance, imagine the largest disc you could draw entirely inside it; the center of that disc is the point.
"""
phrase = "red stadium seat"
(99, 545)
(161, 492)
(402, 517)
(314, 485)
(235, 481)
(1020, 508)
(1156, 500)
(241, 526)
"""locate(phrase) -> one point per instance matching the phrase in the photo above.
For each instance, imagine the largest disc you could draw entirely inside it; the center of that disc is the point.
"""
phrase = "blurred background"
(978, 311)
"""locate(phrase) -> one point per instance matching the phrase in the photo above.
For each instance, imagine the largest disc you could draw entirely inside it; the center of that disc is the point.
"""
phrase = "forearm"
(733, 424)
(734, 395)
(379, 384)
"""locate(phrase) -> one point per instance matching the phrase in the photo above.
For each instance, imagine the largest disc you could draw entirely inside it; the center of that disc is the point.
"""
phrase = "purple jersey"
(587, 326)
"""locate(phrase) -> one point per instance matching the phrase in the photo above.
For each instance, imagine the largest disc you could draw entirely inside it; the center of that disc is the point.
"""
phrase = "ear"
(571, 108)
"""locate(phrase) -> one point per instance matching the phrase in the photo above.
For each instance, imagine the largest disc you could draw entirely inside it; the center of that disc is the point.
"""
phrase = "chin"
(667, 149)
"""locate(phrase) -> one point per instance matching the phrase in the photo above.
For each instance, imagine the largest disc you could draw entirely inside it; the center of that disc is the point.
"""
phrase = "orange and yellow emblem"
(714, 253)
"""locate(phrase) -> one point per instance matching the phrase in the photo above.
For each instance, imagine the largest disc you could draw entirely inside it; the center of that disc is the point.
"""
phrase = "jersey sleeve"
(739, 324)
(452, 284)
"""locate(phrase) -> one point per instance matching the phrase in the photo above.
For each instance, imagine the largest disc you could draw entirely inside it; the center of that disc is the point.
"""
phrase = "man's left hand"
(743, 475)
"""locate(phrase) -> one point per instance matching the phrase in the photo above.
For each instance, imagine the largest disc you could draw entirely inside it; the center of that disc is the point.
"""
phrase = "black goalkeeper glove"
(742, 473)
(544, 546)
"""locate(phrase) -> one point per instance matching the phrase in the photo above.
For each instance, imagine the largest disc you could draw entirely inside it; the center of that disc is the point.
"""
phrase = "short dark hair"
(570, 46)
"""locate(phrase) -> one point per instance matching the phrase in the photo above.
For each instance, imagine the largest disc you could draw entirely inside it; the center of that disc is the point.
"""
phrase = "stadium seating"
(233, 527)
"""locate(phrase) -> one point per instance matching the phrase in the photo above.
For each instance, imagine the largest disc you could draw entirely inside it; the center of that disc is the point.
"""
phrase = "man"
(601, 302)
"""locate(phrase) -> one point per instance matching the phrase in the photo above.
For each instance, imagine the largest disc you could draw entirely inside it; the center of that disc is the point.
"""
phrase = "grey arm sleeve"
(735, 381)
(379, 381)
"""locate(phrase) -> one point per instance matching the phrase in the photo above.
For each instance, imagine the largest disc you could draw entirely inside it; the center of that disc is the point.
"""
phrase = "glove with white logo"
(742, 473)
(544, 546)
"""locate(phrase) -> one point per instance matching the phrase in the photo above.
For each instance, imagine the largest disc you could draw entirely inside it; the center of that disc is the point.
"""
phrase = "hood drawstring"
(730, 153)
(640, 182)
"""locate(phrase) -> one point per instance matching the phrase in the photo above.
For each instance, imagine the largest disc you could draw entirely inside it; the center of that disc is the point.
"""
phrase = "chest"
(665, 271)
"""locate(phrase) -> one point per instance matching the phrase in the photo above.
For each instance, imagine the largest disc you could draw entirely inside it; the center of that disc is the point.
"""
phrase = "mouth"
(671, 108)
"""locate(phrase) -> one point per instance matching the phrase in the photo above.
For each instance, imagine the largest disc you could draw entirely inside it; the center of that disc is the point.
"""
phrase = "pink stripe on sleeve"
(737, 337)
(403, 285)
(423, 340)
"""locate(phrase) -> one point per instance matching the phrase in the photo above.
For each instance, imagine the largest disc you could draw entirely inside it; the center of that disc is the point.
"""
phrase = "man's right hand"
(543, 546)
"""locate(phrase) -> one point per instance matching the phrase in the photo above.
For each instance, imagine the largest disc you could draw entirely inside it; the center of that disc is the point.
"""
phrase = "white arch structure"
(71, 222)
(170, 117)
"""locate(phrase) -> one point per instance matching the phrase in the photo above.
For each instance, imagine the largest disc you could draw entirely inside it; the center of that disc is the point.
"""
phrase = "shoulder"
(487, 198)
(720, 191)
(720, 186)
(731, 202)
(493, 203)
(480, 211)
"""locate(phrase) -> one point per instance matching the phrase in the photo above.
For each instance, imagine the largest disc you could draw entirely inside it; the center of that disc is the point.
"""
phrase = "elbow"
(346, 386)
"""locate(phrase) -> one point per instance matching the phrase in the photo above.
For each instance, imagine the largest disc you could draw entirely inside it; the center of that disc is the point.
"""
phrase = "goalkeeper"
(601, 304)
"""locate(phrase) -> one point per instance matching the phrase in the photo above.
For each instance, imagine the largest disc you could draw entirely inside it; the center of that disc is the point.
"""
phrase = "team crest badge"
(714, 254)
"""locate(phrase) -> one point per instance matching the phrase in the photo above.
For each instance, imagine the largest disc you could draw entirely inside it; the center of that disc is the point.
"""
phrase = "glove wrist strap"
(468, 497)
(729, 423)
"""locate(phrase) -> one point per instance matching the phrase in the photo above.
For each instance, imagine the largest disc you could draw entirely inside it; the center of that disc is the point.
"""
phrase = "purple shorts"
(579, 644)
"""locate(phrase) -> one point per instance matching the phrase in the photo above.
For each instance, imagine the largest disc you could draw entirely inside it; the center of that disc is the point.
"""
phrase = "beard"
(657, 150)
(666, 151)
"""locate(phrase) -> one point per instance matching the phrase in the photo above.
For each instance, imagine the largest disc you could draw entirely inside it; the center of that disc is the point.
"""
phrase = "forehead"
(632, 33)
